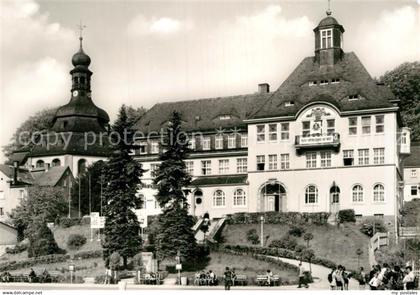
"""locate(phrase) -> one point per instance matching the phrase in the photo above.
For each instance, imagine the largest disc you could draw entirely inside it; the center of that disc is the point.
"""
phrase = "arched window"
(335, 194)
(357, 193)
(198, 195)
(55, 162)
(81, 165)
(239, 198)
(311, 194)
(219, 199)
(378, 193)
(40, 164)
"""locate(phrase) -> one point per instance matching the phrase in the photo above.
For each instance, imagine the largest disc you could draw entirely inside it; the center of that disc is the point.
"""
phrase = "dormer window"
(289, 103)
(326, 38)
(225, 117)
(313, 83)
(354, 97)
(335, 81)
(323, 82)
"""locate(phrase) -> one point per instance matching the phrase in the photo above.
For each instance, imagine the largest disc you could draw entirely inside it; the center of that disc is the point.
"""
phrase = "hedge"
(48, 259)
(292, 218)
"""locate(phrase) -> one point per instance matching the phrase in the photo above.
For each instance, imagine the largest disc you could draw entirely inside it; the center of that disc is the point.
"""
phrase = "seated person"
(269, 277)
(212, 278)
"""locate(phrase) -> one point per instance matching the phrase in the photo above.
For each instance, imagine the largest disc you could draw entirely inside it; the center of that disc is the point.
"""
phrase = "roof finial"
(81, 26)
(329, 12)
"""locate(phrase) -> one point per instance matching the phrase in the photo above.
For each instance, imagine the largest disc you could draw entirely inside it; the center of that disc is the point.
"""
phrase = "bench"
(240, 280)
(148, 279)
(262, 280)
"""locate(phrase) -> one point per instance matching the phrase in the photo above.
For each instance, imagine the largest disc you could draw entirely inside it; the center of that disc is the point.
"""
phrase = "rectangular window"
(154, 147)
(326, 38)
(242, 165)
(272, 132)
(272, 162)
(232, 141)
(414, 190)
(311, 160)
(218, 142)
(380, 124)
(206, 167)
(153, 169)
(244, 140)
(326, 159)
(143, 148)
(363, 156)
(378, 156)
(223, 166)
(206, 144)
(260, 133)
(330, 126)
(190, 167)
(366, 125)
(353, 126)
(284, 131)
(284, 161)
(260, 163)
(348, 157)
(191, 144)
(306, 128)
(413, 173)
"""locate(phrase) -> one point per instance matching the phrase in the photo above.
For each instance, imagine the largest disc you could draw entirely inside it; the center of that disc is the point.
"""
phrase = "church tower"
(328, 41)
(80, 114)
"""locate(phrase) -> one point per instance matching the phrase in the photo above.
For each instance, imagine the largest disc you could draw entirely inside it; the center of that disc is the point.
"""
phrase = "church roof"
(51, 177)
(328, 21)
(203, 114)
(413, 160)
(81, 106)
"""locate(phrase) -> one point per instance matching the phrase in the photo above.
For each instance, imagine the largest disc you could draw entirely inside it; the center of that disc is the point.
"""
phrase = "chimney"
(15, 171)
(263, 88)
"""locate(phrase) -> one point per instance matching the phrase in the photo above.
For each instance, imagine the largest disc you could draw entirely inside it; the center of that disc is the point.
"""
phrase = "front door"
(273, 203)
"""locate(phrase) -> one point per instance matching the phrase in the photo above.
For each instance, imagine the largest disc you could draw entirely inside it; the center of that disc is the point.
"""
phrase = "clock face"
(75, 93)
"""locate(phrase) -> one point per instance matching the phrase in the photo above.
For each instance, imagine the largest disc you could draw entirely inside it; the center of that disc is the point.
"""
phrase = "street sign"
(97, 221)
(178, 266)
(141, 217)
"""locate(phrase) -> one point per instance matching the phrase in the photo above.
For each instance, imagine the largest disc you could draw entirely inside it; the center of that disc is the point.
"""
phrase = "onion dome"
(80, 58)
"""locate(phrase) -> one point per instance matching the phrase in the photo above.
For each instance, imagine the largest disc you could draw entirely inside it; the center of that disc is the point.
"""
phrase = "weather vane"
(329, 8)
(81, 26)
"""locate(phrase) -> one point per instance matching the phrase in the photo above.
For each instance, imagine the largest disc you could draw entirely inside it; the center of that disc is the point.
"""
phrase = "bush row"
(318, 218)
(285, 253)
(48, 259)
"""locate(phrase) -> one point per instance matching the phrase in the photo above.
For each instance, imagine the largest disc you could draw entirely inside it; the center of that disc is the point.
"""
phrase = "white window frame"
(311, 159)
(219, 198)
(379, 124)
(325, 159)
(239, 198)
(330, 126)
(413, 172)
(242, 165)
(244, 140)
(260, 160)
(366, 125)
(378, 156)
(363, 157)
(223, 166)
(414, 188)
(311, 194)
(284, 161)
(154, 147)
(260, 133)
(284, 131)
(143, 145)
(272, 162)
(353, 125)
(189, 166)
(206, 143)
(379, 194)
(348, 154)
(206, 167)
(191, 144)
(231, 141)
(218, 142)
(357, 193)
(326, 35)
(306, 131)
(272, 132)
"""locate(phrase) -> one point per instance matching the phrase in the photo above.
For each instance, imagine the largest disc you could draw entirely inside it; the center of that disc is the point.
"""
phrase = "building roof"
(354, 79)
(23, 174)
(220, 180)
(203, 114)
(7, 225)
(52, 176)
(413, 160)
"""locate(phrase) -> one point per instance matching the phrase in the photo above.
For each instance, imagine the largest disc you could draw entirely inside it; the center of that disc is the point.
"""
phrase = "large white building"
(412, 174)
(329, 138)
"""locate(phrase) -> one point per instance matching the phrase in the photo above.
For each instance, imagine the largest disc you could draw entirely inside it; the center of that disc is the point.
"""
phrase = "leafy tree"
(404, 82)
(134, 114)
(175, 223)
(308, 237)
(46, 203)
(308, 255)
(41, 239)
(40, 121)
(122, 175)
(97, 182)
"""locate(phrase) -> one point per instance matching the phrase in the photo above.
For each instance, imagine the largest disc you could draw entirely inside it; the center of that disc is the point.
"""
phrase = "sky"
(144, 52)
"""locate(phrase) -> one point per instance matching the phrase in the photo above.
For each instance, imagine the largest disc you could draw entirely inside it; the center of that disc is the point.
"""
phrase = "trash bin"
(122, 285)
(183, 281)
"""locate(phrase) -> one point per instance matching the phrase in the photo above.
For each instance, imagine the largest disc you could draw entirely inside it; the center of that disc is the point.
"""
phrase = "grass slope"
(336, 244)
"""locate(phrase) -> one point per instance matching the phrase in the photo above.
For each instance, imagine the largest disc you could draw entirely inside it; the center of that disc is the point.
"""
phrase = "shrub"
(138, 261)
(296, 230)
(287, 242)
(114, 260)
(41, 240)
(252, 236)
(371, 226)
(346, 216)
(19, 248)
(318, 218)
(75, 241)
(66, 222)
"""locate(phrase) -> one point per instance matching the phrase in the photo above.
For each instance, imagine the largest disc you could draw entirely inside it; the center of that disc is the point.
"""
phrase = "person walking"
(228, 278)
(331, 279)
(339, 281)
(302, 276)
(108, 276)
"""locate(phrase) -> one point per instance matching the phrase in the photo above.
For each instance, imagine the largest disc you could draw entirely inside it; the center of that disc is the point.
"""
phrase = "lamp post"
(71, 269)
(178, 265)
(262, 231)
